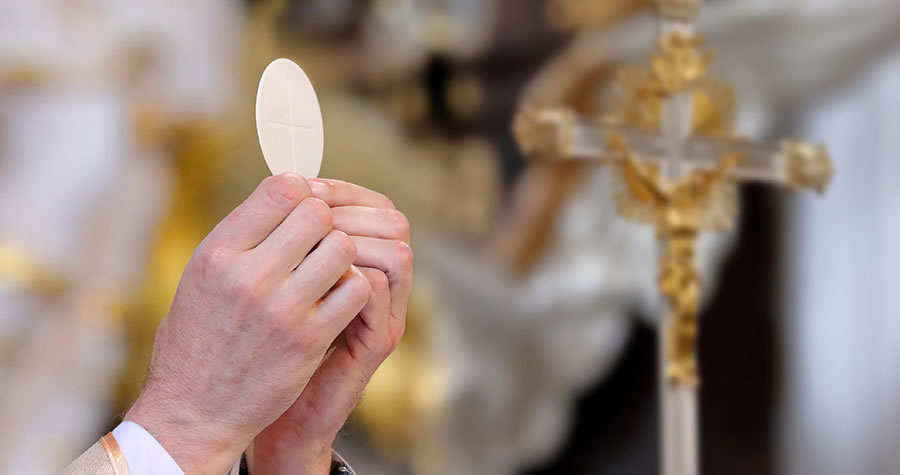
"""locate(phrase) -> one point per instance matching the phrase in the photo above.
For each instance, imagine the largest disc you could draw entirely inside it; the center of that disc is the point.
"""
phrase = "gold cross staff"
(670, 134)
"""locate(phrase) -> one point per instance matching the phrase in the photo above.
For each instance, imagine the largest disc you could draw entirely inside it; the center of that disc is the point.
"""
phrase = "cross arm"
(559, 134)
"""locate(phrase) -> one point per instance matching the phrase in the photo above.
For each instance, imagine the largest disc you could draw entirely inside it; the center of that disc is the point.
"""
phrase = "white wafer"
(289, 120)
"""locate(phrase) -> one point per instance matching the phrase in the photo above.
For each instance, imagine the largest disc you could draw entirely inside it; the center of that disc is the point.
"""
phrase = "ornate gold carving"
(678, 63)
(681, 10)
(715, 198)
(546, 132)
(679, 282)
(679, 211)
(638, 99)
(806, 165)
(638, 103)
(714, 109)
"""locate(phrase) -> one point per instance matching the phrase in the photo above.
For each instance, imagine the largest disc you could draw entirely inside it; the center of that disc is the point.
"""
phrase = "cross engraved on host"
(295, 126)
(292, 125)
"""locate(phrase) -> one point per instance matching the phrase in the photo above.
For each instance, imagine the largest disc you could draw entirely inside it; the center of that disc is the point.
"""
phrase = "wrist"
(194, 445)
(269, 455)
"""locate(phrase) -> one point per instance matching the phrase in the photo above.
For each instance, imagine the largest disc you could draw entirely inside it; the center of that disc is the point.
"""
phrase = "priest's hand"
(300, 440)
(261, 301)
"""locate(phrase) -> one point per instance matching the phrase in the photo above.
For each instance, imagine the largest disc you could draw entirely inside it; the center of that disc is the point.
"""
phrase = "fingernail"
(318, 188)
(294, 177)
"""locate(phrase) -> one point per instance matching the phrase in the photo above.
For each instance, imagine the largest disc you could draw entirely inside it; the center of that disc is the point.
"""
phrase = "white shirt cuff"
(142, 452)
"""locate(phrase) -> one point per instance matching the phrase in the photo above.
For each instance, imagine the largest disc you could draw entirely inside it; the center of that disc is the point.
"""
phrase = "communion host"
(281, 317)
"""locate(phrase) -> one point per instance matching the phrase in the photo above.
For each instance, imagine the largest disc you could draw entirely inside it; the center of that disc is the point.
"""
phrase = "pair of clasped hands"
(281, 317)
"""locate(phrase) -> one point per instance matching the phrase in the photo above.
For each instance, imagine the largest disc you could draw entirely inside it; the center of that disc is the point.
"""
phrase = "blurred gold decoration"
(639, 101)
(678, 63)
(703, 201)
(675, 66)
(675, 69)
(700, 201)
(714, 108)
(581, 14)
(22, 76)
(639, 93)
(545, 132)
(150, 125)
(21, 269)
(670, 133)
(808, 166)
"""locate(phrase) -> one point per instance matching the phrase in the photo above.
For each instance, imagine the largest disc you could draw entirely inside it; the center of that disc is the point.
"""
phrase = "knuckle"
(343, 245)
(359, 287)
(387, 202)
(236, 216)
(212, 258)
(318, 214)
(403, 256)
(399, 223)
(283, 190)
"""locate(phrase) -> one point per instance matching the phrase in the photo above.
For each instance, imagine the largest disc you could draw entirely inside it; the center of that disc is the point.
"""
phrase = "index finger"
(341, 193)
(270, 203)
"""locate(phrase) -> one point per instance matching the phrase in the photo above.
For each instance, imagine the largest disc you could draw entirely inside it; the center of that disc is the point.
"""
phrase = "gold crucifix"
(670, 134)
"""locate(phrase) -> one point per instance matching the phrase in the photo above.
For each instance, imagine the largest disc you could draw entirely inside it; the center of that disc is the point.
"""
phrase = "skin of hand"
(300, 440)
(260, 302)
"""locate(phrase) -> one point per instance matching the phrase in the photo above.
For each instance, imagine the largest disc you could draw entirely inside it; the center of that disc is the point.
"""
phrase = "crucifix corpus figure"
(671, 135)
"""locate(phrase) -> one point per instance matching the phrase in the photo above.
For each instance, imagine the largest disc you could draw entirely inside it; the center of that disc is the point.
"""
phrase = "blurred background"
(127, 132)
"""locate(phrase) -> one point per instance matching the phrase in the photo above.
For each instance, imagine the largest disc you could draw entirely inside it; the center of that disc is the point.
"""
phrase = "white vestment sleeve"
(144, 455)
